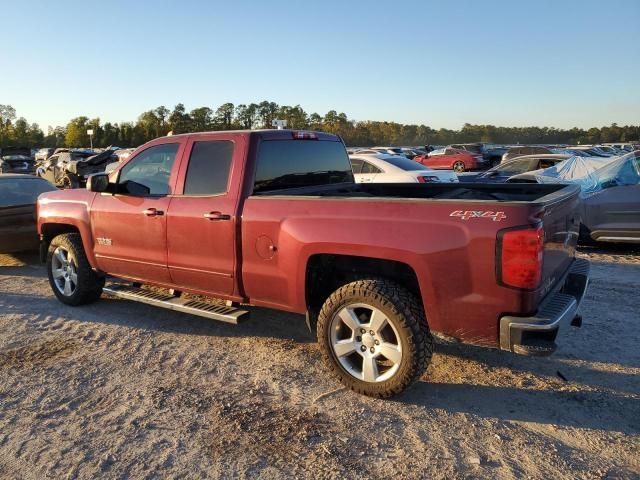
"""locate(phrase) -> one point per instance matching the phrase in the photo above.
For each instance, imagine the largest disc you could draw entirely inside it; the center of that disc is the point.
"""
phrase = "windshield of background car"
(22, 191)
(439, 151)
(405, 164)
(301, 163)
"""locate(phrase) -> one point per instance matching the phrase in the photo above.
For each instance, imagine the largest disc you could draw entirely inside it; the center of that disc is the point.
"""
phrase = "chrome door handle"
(152, 212)
(217, 216)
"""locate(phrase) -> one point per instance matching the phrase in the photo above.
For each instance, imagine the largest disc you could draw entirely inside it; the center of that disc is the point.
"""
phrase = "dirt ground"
(124, 390)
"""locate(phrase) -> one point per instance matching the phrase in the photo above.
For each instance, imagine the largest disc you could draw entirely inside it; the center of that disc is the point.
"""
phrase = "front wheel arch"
(49, 231)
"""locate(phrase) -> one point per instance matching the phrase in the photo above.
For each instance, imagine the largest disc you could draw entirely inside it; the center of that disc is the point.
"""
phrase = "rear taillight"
(521, 253)
(428, 179)
(302, 135)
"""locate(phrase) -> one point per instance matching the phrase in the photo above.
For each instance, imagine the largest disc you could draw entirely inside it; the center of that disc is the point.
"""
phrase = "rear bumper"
(535, 335)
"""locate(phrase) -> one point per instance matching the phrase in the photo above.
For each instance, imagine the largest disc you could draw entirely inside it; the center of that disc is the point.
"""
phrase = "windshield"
(404, 163)
(301, 163)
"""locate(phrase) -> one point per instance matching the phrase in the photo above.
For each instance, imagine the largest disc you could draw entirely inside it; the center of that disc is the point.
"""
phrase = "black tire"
(402, 309)
(89, 283)
(69, 181)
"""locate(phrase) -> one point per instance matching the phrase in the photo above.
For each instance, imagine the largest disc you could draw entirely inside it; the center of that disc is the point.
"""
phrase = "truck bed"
(536, 193)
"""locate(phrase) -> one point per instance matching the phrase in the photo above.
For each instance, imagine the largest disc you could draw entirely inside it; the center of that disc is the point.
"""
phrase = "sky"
(561, 63)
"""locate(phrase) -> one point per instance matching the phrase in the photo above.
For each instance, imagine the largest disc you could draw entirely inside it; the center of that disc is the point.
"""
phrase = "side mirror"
(98, 182)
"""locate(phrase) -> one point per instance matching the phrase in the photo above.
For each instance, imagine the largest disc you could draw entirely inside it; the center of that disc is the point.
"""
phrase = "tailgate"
(561, 223)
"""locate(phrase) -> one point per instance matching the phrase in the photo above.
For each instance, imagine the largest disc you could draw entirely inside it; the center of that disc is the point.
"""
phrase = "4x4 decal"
(467, 214)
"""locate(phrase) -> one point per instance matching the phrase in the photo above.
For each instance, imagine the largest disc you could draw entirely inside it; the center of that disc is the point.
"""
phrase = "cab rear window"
(285, 164)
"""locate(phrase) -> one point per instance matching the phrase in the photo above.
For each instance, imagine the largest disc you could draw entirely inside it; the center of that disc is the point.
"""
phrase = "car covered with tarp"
(69, 168)
(610, 191)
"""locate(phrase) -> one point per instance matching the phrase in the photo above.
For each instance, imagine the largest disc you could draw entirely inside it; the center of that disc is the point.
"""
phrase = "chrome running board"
(179, 304)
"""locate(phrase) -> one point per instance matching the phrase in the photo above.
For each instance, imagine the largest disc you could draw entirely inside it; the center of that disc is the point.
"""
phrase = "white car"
(381, 168)
(389, 150)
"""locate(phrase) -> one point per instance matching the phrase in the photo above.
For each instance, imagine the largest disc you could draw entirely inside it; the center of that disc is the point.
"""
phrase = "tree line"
(17, 131)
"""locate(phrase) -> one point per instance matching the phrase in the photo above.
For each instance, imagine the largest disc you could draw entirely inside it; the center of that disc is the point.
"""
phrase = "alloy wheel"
(64, 270)
(365, 342)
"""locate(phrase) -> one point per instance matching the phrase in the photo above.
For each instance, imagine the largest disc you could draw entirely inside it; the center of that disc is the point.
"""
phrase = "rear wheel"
(459, 166)
(375, 337)
(72, 279)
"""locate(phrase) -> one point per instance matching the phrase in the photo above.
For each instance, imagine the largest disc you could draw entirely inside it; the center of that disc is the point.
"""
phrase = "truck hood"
(76, 195)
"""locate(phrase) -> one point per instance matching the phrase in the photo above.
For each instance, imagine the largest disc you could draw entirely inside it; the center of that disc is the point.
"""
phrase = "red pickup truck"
(273, 218)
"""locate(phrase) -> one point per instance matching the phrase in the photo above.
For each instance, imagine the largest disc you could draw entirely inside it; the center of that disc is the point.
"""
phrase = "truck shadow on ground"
(602, 400)
(602, 409)
(582, 409)
(127, 314)
(553, 367)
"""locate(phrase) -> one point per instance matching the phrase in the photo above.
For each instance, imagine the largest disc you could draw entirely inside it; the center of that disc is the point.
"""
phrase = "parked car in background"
(590, 151)
(609, 151)
(389, 150)
(412, 152)
(364, 151)
(16, 160)
(120, 155)
(519, 151)
(68, 168)
(18, 196)
(573, 152)
(610, 191)
(42, 154)
(493, 154)
(624, 147)
(501, 173)
(477, 148)
(452, 159)
(383, 168)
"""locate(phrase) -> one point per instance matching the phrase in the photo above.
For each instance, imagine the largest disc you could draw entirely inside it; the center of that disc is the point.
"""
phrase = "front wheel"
(459, 166)
(72, 279)
(375, 337)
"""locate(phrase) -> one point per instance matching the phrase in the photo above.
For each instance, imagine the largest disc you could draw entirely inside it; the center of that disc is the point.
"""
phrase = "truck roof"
(266, 134)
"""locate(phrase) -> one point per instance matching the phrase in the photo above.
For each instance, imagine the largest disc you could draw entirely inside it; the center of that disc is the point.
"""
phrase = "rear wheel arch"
(325, 273)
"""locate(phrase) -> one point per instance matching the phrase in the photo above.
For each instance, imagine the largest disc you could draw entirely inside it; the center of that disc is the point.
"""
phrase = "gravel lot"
(124, 390)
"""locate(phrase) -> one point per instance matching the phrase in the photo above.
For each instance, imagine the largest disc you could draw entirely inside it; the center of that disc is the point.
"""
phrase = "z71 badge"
(468, 214)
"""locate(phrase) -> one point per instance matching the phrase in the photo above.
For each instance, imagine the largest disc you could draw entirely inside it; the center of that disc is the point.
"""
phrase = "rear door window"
(209, 166)
(285, 164)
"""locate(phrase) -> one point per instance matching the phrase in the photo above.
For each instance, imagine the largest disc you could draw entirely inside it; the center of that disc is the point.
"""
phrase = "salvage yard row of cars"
(378, 249)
